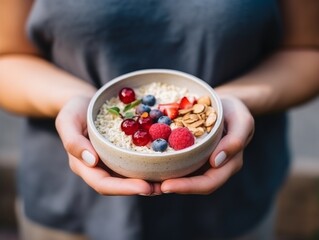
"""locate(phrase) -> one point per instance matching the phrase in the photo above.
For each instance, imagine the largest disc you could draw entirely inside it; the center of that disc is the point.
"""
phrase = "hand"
(83, 160)
(226, 159)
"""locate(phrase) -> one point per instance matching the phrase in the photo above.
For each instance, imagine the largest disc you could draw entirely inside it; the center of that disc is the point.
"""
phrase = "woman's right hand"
(83, 160)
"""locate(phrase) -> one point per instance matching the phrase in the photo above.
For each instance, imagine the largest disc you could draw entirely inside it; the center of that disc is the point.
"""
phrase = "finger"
(239, 129)
(102, 182)
(71, 126)
(206, 183)
(156, 189)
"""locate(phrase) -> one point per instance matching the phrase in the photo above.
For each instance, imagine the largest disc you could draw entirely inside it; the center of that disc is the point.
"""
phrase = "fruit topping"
(141, 108)
(169, 109)
(172, 113)
(149, 100)
(145, 121)
(164, 119)
(127, 95)
(159, 130)
(129, 126)
(181, 138)
(141, 137)
(159, 145)
(163, 106)
(155, 114)
(185, 103)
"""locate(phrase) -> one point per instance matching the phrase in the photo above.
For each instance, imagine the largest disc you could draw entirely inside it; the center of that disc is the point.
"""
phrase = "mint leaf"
(132, 105)
(129, 115)
(114, 111)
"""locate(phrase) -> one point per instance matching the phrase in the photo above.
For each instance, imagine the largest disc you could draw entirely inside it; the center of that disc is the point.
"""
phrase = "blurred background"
(298, 203)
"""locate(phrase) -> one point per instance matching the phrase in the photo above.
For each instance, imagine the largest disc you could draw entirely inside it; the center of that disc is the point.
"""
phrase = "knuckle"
(237, 143)
(69, 145)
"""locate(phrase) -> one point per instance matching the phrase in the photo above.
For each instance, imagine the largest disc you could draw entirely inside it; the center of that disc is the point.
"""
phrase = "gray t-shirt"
(98, 40)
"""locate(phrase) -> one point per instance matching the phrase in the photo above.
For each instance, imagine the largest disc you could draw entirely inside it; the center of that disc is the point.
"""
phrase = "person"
(260, 56)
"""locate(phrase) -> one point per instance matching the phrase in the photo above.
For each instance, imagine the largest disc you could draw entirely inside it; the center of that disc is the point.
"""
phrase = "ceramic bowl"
(154, 166)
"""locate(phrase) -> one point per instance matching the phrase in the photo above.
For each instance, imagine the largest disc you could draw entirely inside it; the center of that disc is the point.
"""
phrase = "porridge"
(156, 117)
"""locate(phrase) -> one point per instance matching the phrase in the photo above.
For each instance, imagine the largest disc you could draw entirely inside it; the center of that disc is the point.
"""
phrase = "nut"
(198, 108)
(204, 100)
(184, 111)
(209, 110)
(199, 131)
(197, 124)
(198, 119)
(211, 119)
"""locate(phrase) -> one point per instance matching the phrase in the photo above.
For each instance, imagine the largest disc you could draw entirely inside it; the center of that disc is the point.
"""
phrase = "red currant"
(127, 95)
(129, 126)
(145, 122)
(141, 137)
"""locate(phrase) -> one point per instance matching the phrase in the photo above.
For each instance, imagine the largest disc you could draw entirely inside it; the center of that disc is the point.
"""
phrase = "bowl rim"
(90, 121)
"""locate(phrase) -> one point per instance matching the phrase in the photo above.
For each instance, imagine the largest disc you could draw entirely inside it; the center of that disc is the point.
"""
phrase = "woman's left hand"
(226, 159)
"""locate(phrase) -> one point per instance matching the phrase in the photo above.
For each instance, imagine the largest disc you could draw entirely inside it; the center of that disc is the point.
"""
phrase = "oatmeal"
(143, 119)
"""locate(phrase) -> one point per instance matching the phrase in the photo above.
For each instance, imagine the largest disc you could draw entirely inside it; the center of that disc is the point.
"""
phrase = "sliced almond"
(209, 110)
(179, 124)
(208, 129)
(198, 108)
(204, 100)
(196, 124)
(178, 119)
(184, 111)
(186, 116)
(199, 132)
(194, 116)
(189, 121)
(211, 119)
(203, 116)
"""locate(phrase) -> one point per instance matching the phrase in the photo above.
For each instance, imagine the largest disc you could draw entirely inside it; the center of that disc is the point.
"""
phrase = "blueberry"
(159, 145)
(164, 119)
(142, 108)
(155, 114)
(149, 100)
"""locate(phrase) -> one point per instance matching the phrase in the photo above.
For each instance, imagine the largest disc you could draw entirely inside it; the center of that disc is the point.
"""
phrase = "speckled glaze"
(154, 166)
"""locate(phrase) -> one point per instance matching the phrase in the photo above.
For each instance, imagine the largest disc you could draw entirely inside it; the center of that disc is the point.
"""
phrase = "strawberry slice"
(185, 103)
(163, 106)
(171, 112)
(169, 109)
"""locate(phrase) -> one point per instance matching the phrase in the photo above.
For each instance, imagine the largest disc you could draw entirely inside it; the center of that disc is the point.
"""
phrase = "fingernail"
(149, 195)
(143, 194)
(88, 157)
(220, 158)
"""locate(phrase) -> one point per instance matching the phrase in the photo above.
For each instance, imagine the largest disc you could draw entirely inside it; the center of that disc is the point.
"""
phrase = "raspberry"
(160, 130)
(181, 138)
